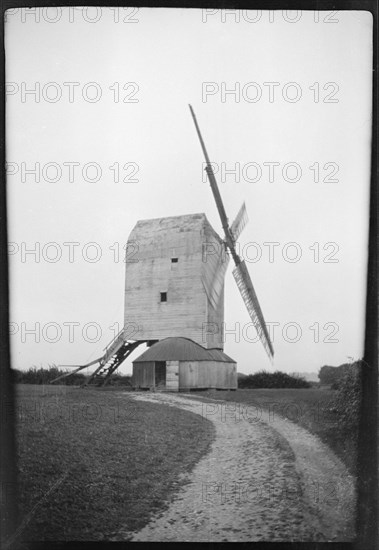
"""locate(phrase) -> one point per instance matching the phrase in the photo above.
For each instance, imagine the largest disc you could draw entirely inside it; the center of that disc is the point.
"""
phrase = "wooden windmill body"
(174, 283)
(174, 301)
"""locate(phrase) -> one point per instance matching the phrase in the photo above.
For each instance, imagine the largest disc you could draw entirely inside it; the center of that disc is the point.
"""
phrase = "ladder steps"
(112, 362)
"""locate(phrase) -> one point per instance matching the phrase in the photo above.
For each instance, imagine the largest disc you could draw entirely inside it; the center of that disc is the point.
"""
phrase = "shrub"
(332, 375)
(121, 380)
(45, 376)
(277, 379)
(348, 397)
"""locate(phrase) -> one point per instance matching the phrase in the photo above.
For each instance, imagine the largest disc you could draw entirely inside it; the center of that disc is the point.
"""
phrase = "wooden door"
(160, 373)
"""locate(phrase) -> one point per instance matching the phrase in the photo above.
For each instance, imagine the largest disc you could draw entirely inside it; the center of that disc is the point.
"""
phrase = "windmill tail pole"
(216, 193)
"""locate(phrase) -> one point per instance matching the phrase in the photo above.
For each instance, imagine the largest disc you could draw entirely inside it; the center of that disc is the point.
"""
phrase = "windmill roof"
(181, 349)
(196, 219)
(187, 222)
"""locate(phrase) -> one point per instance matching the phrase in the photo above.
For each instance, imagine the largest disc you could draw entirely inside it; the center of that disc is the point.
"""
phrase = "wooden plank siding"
(191, 303)
(187, 375)
(144, 375)
(172, 375)
(207, 374)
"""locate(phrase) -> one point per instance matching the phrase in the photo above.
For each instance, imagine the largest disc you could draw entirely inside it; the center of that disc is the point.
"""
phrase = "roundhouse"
(180, 364)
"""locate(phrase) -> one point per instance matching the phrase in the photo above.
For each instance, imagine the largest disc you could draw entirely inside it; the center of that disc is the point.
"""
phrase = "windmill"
(240, 272)
(171, 293)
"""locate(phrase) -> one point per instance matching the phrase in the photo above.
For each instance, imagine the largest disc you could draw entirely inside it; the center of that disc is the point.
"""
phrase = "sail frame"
(246, 288)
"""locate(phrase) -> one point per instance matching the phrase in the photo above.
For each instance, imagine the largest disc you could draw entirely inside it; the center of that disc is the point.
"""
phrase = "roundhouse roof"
(181, 349)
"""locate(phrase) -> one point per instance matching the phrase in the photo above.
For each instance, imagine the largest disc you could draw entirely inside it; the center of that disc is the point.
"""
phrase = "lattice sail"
(239, 223)
(213, 281)
(245, 286)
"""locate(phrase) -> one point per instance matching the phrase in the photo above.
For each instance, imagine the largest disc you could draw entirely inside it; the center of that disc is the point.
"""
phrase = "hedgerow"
(45, 376)
(277, 379)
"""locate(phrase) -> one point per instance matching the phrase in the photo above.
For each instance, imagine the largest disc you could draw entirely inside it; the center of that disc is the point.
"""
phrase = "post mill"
(174, 302)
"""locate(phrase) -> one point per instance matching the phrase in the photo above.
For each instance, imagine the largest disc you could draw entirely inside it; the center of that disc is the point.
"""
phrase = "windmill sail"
(245, 286)
(240, 272)
(213, 279)
(239, 223)
(214, 187)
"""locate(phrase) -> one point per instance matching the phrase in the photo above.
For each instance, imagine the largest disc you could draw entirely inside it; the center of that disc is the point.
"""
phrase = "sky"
(283, 99)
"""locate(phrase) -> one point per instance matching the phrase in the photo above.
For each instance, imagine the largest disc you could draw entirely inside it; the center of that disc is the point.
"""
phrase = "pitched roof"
(181, 349)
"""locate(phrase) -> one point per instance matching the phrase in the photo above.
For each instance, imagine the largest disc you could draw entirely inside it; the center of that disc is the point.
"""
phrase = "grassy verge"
(110, 461)
(311, 408)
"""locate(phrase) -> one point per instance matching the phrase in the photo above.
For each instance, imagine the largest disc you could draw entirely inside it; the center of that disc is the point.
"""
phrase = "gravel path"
(261, 481)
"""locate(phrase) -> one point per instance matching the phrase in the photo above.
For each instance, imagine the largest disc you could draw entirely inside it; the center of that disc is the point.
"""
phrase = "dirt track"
(261, 481)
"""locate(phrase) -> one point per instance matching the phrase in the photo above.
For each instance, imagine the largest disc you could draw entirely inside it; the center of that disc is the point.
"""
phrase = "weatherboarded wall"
(187, 375)
(144, 375)
(172, 375)
(183, 257)
(207, 374)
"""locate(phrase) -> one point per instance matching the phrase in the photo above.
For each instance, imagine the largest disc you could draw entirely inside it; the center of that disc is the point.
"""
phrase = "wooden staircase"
(115, 353)
(110, 363)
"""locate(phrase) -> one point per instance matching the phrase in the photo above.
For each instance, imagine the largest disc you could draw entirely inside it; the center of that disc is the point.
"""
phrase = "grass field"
(111, 462)
(312, 408)
(108, 461)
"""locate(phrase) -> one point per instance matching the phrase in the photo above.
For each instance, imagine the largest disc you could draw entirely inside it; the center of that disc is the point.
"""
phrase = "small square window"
(163, 296)
(174, 260)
